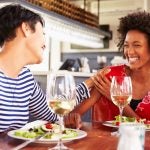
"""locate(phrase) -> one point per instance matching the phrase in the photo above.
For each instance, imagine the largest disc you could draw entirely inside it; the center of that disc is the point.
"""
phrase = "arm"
(40, 110)
(128, 111)
(89, 83)
(88, 103)
(98, 86)
(82, 92)
(38, 105)
(84, 102)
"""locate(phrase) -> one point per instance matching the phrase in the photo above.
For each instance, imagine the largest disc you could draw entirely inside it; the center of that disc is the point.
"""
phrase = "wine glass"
(121, 92)
(61, 99)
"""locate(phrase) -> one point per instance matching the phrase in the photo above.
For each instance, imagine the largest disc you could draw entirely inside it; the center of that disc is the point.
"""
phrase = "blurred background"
(81, 35)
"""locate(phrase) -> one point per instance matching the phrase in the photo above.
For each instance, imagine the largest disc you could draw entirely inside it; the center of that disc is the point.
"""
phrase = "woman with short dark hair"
(22, 43)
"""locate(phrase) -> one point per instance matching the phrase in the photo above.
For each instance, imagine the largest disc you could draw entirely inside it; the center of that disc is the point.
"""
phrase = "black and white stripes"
(82, 92)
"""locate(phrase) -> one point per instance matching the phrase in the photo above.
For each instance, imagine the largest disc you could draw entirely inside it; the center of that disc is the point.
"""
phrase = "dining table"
(98, 137)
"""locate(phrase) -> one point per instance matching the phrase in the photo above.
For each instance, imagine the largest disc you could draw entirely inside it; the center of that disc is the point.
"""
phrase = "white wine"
(121, 100)
(61, 107)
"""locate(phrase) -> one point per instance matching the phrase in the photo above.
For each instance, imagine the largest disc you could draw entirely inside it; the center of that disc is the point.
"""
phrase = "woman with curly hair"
(134, 42)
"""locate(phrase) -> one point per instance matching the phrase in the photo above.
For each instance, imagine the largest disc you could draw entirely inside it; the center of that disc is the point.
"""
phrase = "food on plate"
(51, 130)
(50, 127)
(67, 133)
(118, 120)
(30, 133)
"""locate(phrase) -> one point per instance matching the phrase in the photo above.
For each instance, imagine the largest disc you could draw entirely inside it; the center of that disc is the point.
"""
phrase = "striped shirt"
(22, 96)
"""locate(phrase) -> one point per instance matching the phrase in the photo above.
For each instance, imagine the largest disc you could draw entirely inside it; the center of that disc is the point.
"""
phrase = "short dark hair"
(135, 21)
(12, 16)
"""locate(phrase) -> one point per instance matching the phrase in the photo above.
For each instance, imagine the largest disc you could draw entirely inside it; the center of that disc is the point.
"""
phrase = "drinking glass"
(61, 99)
(121, 92)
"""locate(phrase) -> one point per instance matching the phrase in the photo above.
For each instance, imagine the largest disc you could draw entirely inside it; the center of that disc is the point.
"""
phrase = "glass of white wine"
(61, 95)
(121, 92)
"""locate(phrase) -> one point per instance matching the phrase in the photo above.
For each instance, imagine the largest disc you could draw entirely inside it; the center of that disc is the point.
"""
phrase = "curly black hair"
(135, 21)
(11, 17)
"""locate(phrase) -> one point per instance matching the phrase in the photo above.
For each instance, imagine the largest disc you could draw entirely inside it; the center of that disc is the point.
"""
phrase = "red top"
(143, 108)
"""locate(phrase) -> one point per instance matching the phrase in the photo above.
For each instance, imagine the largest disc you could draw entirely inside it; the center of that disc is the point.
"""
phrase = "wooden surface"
(98, 138)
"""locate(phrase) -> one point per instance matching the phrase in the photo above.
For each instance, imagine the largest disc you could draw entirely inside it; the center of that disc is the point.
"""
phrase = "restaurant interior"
(81, 37)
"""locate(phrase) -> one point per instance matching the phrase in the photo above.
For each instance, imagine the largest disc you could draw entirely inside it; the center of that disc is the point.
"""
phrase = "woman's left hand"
(73, 120)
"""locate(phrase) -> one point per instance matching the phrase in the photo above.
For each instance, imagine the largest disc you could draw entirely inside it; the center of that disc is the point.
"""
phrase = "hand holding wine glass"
(121, 92)
(61, 98)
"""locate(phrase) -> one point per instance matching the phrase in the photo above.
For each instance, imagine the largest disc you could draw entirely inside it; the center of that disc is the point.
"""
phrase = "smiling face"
(35, 44)
(136, 49)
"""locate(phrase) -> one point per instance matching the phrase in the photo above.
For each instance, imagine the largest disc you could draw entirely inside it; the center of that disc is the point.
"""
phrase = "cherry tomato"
(48, 126)
(117, 123)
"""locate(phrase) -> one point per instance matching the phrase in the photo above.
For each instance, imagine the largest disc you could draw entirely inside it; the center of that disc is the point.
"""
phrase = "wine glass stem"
(121, 112)
(61, 129)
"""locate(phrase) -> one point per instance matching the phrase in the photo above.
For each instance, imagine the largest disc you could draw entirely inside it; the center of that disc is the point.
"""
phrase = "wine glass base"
(115, 133)
(60, 147)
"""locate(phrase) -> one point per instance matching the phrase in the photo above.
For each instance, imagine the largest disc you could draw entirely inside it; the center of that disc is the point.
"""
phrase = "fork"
(20, 146)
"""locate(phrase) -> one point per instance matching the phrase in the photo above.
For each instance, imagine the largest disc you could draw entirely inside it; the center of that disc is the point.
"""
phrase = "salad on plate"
(48, 132)
(117, 121)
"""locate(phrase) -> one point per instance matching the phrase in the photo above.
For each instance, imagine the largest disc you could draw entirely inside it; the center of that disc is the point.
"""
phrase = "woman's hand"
(73, 120)
(102, 83)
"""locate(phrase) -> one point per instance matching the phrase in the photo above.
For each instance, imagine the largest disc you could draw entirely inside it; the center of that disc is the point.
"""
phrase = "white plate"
(110, 124)
(81, 134)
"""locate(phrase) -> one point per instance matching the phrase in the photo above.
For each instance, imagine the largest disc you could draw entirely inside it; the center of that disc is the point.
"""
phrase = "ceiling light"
(73, 33)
